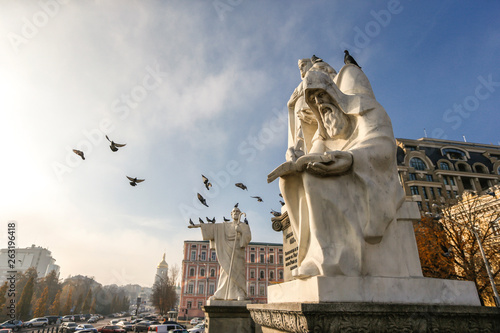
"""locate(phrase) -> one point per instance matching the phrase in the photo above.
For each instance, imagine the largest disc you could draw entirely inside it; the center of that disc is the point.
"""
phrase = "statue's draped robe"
(332, 217)
(222, 238)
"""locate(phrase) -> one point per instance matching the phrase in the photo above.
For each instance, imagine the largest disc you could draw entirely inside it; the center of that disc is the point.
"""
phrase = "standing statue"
(343, 192)
(229, 239)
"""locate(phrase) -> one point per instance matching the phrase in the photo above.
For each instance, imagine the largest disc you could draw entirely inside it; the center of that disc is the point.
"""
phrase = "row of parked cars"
(15, 325)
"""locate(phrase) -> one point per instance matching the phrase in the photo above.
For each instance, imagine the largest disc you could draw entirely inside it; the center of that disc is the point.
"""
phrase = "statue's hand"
(292, 154)
(340, 162)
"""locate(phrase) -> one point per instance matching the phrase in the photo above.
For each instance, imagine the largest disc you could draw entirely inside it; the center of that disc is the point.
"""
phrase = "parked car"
(68, 318)
(86, 327)
(5, 330)
(181, 330)
(36, 322)
(127, 326)
(53, 319)
(67, 327)
(173, 322)
(144, 325)
(14, 325)
(200, 328)
(163, 328)
(93, 319)
(196, 321)
(111, 329)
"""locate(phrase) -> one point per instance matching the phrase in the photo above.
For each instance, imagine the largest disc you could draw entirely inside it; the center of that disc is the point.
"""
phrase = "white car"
(196, 321)
(200, 328)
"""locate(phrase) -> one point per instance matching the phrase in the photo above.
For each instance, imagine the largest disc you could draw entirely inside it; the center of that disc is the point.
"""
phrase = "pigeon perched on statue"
(348, 59)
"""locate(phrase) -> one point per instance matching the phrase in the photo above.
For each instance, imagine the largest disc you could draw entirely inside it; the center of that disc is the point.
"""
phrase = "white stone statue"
(341, 193)
(229, 239)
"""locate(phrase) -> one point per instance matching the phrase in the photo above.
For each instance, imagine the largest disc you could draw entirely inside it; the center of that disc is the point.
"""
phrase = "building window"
(452, 181)
(214, 258)
(190, 288)
(455, 193)
(417, 163)
(454, 154)
(433, 195)
(427, 206)
(280, 258)
(414, 190)
(440, 193)
(425, 193)
(413, 176)
(203, 256)
(271, 275)
(252, 257)
(271, 259)
(262, 274)
(419, 203)
(462, 167)
(444, 166)
(211, 289)
(191, 271)
(280, 274)
(202, 271)
(448, 193)
(193, 255)
(481, 169)
(212, 272)
(252, 274)
(262, 259)
(188, 304)
(445, 180)
(429, 178)
(201, 288)
(200, 304)
(262, 290)
(252, 290)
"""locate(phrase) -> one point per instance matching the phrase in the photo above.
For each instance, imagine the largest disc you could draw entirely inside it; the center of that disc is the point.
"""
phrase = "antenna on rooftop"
(425, 133)
(465, 140)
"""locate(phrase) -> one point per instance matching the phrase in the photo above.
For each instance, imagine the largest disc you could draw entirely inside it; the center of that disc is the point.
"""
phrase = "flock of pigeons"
(114, 148)
(242, 186)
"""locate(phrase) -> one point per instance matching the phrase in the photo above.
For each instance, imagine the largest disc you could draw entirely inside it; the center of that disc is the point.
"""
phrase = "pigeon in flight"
(202, 199)
(134, 181)
(241, 185)
(191, 222)
(348, 59)
(207, 183)
(226, 220)
(275, 213)
(259, 199)
(114, 146)
(246, 221)
(79, 153)
(199, 219)
(211, 220)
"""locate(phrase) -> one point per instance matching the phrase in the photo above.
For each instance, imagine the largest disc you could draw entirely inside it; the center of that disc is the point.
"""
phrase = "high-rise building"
(435, 170)
(200, 274)
(34, 256)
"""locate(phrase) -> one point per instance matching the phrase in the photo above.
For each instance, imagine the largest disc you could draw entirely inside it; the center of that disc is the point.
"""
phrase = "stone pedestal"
(373, 317)
(228, 316)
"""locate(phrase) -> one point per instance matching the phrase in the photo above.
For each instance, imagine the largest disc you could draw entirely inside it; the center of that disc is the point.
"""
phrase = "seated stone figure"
(341, 195)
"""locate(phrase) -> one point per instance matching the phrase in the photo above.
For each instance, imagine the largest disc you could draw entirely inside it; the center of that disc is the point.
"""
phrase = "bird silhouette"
(211, 220)
(114, 146)
(236, 206)
(259, 199)
(275, 213)
(79, 153)
(226, 220)
(282, 202)
(348, 59)
(207, 183)
(134, 181)
(246, 221)
(191, 222)
(202, 199)
(281, 195)
(199, 219)
(241, 185)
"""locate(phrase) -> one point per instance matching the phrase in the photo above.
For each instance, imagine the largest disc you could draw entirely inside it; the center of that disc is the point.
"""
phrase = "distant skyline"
(201, 87)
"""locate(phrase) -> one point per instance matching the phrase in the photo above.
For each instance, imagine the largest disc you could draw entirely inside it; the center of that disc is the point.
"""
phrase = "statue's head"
(304, 66)
(333, 123)
(235, 214)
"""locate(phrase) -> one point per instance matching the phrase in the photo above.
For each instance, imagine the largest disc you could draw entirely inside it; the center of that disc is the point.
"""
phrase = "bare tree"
(164, 296)
(472, 231)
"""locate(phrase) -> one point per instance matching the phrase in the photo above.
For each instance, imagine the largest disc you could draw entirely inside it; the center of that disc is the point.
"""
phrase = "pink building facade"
(200, 273)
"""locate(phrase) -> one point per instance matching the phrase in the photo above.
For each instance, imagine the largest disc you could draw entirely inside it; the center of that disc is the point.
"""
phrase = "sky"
(200, 87)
